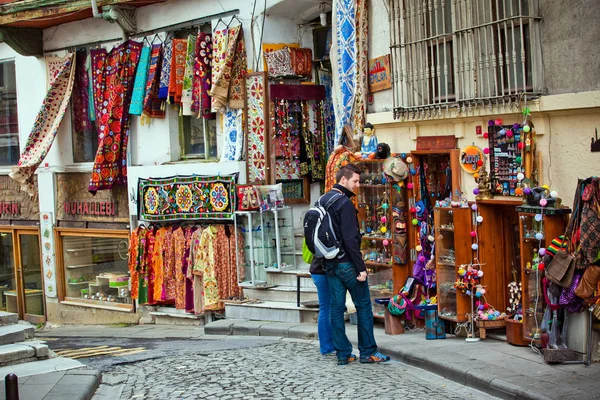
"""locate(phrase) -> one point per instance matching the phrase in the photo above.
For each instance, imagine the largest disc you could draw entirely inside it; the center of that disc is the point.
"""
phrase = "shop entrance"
(21, 281)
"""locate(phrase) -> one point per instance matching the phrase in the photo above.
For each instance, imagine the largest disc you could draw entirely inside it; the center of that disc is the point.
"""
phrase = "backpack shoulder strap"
(330, 200)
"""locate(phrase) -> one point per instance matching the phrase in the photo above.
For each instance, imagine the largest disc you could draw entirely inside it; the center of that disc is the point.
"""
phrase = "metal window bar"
(487, 54)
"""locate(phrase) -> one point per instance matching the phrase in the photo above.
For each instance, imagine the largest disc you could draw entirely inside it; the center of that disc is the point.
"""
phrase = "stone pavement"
(495, 367)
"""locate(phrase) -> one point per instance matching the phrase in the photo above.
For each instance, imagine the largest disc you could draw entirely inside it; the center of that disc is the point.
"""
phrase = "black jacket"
(345, 225)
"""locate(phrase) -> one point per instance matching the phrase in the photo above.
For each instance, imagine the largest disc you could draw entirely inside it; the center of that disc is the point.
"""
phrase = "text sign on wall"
(16, 204)
(379, 74)
(471, 159)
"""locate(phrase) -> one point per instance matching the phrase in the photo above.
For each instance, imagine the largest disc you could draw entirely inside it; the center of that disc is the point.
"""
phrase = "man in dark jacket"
(348, 273)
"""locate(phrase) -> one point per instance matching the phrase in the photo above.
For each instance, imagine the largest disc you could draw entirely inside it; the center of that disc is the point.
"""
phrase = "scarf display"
(229, 69)
(233, 139)
(328, 115)
(139, 84)
(362, 61)
(188, 76)
(152, 103)
(81, 90)
(117, 74)
(165, 71)
(343, 59)
(203, 69)
(177, 70)
(46, 125)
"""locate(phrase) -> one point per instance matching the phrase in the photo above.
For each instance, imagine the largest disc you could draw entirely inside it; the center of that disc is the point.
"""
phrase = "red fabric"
(110, 166)
(177, 69)
(301, 61)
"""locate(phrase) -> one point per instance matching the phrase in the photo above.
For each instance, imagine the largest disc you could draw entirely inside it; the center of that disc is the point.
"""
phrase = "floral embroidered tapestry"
(256, 125)
(187, 197)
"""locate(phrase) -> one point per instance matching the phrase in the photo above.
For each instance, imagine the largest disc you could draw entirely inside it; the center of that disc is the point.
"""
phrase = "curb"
(76, 384)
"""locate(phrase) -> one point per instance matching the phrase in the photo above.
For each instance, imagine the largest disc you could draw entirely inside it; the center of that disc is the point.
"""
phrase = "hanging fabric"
(88, 68)
(229, 69)
(139, 84)
(361, 88)
(177, 70)
(188, 76)
(201, 102)
(46, 125)
(343, 62)
(152, 103)
(110, 166)
(328, 116)
(233, 139)
(54, 65)
(98, 57)
(81, 90)
(165, 72)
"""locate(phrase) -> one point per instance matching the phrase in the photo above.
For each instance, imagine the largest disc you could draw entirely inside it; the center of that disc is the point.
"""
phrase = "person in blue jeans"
(348, 273)
(324, 322)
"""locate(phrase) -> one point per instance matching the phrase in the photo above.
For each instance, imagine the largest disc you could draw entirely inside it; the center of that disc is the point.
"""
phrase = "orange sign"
(471, 159)
(379, 74)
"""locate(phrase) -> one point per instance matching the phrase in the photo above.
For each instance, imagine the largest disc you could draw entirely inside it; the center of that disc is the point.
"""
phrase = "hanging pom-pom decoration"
(409, 185)
(486, 135)
(383, 219)
(498, 122)
(527, 191)
(479, 163)
(520, 146)
(415, 221)
(473, 234)
(479, 219)
(486, 151)
(538, 217)
(475, 246)
(413, 210)
(431, 238)
(509, 133)
(518, 191)
(518, 159)
(409, 160)
(516, 127)
(480, 273)
(383, 229)
(542, 252)
(491, 122)
(554, 194)
(474, 207)
(526, 129)
(385, 206)
(418, 248)
(539, 236)
(520, 176)
(543, 202)
(476, 191)
(386, 242)
(413, 171)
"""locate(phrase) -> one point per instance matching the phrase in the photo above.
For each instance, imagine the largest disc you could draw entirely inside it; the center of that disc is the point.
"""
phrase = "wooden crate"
(484, 325)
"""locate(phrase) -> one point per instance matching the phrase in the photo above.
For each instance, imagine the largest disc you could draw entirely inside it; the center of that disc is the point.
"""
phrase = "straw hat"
(395, 168)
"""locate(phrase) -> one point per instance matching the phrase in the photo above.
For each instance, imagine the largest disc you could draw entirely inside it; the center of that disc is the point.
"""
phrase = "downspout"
(95, 9)
(110, 16)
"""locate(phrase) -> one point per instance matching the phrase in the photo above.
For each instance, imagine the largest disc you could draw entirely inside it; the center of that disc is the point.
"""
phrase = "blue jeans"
(324, 322)
(342, 278)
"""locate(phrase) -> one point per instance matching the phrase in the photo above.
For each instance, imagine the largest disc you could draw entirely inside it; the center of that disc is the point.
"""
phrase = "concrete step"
(272, 311)
(40, 367)
(289, 278)
(22, 352)
(286, 294)
(173, 316)
(16, 333)
(7, 318)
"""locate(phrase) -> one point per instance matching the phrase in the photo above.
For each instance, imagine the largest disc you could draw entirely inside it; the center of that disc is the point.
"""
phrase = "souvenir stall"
(184, 252)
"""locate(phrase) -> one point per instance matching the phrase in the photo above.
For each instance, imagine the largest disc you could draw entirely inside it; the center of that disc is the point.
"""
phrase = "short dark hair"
(348, 171)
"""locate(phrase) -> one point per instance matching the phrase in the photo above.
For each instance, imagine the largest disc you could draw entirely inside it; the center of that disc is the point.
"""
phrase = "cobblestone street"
(281, 370)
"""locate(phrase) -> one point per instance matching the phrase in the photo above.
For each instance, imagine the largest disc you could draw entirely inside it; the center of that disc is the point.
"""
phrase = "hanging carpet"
(136, 105)
(229, 69)
(152, 103)
(46, 125)
(113, 120)
(165, 71)
(177, 70)
(203, 68)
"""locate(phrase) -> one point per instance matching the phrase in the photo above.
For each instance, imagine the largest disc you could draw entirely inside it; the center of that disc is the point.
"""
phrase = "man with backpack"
(346, 271)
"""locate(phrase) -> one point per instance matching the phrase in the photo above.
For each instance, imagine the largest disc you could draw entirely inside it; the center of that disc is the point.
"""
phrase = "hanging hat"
(395, 168)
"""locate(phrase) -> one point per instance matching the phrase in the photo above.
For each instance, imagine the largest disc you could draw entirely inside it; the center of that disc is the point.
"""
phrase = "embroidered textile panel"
(256, 127)
(183, 197)
(233, 138)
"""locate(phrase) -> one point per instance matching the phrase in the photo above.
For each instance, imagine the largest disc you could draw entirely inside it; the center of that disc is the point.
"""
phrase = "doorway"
(21, 280)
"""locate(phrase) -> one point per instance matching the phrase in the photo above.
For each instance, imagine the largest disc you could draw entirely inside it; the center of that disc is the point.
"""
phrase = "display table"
(33, 300)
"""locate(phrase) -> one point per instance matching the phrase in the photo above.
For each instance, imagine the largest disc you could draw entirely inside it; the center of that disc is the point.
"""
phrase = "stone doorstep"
(18, 353)
(15, 333)
(166, 318)
(7, 318)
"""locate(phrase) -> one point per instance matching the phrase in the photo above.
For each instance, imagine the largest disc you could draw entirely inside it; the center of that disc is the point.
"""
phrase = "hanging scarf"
(233, 139)
(152, 104)
(231, 60)
(110, 166)
(188, 76)
(177, 69)
(328, 115)
(204, 50)
(46, 125)
(165, 72)
(91, 109)
(343, 60)
(361, 88)
(54, 65)
(81, 118)
(139, 85)
(98, 61)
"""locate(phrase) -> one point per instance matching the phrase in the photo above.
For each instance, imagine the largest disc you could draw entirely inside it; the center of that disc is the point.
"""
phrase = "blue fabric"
(324, 322)
(342, 278)
(139, 86)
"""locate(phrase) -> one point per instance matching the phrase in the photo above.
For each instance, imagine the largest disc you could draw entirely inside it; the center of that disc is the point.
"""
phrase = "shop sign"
(16, 204)
(379, 74)
(75, 203)
(471, 159)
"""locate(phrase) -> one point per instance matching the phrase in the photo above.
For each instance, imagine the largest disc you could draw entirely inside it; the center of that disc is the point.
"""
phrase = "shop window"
(9, 120)
(95, 269)
(8, 279)
(85, 141)
(198, 137)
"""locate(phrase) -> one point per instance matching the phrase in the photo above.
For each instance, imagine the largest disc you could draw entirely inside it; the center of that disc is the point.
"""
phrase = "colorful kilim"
(177, 69)
(165, 71)
(256, 125)
(343, 63)
(139, 84)
(110, 165)
(233, 139)
(152, 104)
(187, 197)
(361, 89)
(45, 126)
(204, 54)
(188, 76)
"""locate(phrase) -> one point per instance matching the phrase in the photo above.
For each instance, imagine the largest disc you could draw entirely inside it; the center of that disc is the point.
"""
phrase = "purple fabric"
(568, 298)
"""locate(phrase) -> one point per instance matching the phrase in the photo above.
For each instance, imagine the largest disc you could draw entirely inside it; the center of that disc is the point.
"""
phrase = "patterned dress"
(179, 245)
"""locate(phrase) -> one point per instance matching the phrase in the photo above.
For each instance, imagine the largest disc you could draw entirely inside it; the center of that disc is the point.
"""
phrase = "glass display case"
(452, 249)
(536, 231)
(278, 241)
(251, 269)
(95, 269)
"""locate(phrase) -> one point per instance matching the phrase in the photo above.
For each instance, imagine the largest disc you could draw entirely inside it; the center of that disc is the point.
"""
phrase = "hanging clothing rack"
(167, 28)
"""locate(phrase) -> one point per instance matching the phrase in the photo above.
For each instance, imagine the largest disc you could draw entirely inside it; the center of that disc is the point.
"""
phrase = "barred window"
(463, 52)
